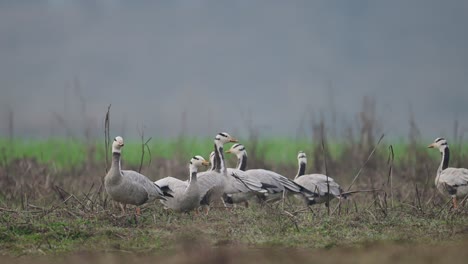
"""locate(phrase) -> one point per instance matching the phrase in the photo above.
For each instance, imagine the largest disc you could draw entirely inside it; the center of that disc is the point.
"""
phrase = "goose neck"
(219, 158)
(242, 162)
(116, 161)
(193, 173)
(301, 170)
(445, 153)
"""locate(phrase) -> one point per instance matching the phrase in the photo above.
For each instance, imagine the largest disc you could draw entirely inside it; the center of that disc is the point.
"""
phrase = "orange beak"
(233, 140)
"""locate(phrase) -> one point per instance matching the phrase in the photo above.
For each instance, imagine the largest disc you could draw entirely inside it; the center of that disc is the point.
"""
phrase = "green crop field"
(64, 153)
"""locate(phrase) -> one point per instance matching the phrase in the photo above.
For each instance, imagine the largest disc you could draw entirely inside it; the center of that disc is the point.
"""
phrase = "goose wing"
(269, 181)
(241, 182)
(210, 185)
(454, 177)
(171, 186)
(280, 182)
(153, 190)
(318, 183)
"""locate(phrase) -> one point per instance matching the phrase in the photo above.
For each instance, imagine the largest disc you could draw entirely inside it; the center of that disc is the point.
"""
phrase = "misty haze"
(210, 66)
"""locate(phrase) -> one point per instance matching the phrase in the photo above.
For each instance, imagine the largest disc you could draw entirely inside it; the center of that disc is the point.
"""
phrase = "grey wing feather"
(454, 177)
(269, 182)
(172, 185)
(318, 183)
(240, 181)
(279, 183)
(211, 186)
(153, 190)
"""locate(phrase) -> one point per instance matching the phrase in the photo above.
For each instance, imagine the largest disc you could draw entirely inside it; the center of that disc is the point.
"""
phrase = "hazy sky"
(220, 62)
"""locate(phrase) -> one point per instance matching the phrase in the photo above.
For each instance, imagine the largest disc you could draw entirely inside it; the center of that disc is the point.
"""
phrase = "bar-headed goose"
(220, 180)
(126, 186)
(184, 196)
(273, 184)
(450, 181)
(324, 186)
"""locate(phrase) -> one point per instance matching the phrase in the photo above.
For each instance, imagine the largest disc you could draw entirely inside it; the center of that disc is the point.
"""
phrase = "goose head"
(198, 161)
(301, 157)
(237, 149)
(440, 143)
(223, 138)
(117, 144)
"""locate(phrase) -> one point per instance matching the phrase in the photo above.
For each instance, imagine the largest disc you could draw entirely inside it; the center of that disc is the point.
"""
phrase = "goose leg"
(454, 200)
(138, 211)
(246, 203)
(123, 206)
(206, 209)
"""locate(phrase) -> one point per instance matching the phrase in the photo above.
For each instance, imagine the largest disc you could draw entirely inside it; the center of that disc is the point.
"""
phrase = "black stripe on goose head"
(441, 141)
(236, 145)
(223, 134)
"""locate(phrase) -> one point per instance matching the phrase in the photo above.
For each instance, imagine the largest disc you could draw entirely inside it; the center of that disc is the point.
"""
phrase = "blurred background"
(200, 67)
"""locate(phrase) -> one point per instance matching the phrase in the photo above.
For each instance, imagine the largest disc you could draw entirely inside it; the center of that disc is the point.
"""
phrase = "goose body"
(326, 187)
(272, 185)
(126, 186)
(238, 191)
(214, 183)
(450, 181)
(184, 196)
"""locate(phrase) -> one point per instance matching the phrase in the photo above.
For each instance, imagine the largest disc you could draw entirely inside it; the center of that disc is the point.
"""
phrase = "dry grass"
(66, 214)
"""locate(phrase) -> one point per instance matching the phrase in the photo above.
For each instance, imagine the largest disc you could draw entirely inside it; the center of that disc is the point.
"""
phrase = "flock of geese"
(239, 185)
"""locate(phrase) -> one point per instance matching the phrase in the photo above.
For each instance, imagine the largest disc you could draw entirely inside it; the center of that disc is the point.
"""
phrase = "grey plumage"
(450, 181)
(126, 186)
(326, 187)
(183, 196)
(272, 185)
(213, 183)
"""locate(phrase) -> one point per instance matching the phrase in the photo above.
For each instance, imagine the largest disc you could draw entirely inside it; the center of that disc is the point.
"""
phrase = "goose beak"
(206, 163)
(233, 140)
(228, 151)
(431, 145)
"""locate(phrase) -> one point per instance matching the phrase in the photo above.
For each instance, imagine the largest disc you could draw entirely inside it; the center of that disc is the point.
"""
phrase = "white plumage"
(450, 181)
(326, 187)
(213, 184)
(126, 186)
(183, 196)
(273, 185)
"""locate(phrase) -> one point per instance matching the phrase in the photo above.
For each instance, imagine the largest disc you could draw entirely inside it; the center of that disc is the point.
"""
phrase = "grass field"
(65, 154)
(52, 204)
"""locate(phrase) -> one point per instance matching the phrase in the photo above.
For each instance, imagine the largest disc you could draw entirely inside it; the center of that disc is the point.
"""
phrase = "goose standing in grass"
(126, 186)
(324, 186)
(184, 195)
(450, 181)
(273, 184)
(219, 181)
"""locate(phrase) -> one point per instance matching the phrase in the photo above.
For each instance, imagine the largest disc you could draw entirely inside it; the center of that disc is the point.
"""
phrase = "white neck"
(242, 161)
(301, 169)
(115, 149)
(116, 161)
(220, 154)
(193, 173)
